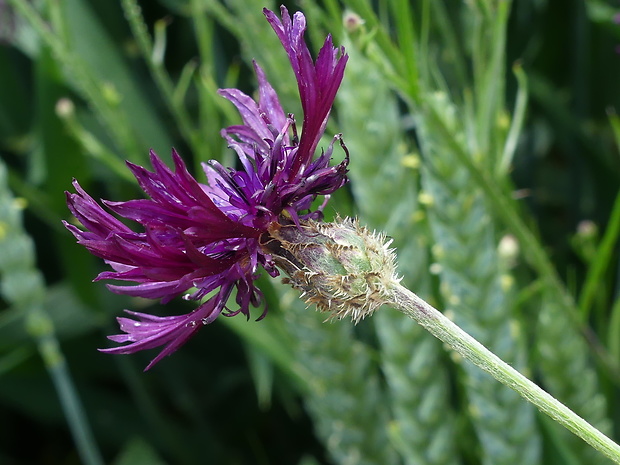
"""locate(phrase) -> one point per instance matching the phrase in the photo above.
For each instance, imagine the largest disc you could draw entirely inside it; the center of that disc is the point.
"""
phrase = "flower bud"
(341, 267)
(352, 21)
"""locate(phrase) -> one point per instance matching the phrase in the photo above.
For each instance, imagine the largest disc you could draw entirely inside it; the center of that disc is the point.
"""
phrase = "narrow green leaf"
(85, 33)
(601, 263)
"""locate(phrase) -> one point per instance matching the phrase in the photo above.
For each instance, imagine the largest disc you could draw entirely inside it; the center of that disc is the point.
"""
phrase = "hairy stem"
(470, 349)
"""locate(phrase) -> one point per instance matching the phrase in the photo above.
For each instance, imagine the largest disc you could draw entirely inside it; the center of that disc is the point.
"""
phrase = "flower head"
(340, 267)
(201, 241)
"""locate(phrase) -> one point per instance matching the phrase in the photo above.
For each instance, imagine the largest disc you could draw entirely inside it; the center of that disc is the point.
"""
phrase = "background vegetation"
(484, 139)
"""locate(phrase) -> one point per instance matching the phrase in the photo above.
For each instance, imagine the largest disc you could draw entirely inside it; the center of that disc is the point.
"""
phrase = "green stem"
(41, 328)
(133, 14)
(470, 349)
(601, 262)
(85, 81)
(512, 139)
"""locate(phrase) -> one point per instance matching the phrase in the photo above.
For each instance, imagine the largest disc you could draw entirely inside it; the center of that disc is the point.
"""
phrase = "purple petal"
(317, 84)
(203, 240)
(149, 331)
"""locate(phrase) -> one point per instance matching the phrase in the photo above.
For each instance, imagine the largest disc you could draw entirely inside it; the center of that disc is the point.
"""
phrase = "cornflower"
(203, 241)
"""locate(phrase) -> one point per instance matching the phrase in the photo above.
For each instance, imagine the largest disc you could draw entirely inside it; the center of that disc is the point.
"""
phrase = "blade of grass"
(90, 87)
(518, 117)
(152, 53)
(405, 28)
(601, 262)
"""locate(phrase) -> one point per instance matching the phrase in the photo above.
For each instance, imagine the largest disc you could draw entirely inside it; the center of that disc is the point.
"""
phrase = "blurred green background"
(484, 139)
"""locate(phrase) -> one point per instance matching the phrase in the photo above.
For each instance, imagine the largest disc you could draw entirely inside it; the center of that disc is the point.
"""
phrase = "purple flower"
(203, 241)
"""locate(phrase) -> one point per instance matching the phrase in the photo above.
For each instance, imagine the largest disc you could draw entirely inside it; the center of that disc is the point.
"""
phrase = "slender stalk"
(518, 118)
(40, 326)
(601, 262)
(154, 61)
(470, 349)
(89, 85)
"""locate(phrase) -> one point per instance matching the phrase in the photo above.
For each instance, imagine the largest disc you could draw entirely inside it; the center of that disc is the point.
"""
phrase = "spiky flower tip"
(341, 267)
(201, 241)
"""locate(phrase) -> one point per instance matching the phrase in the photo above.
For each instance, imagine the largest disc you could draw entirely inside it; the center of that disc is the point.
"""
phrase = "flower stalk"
(470, 349)
(345, 269)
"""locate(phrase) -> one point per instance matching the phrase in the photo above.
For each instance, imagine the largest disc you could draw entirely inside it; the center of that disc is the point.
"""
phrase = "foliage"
(483, 139)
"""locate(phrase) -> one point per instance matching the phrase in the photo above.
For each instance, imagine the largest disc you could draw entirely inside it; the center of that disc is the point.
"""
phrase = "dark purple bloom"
(202, 241)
